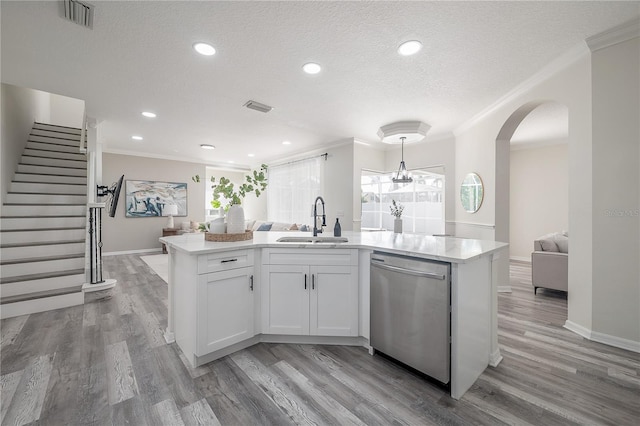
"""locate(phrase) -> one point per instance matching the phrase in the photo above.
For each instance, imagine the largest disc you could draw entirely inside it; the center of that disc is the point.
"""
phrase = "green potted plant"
(256, 182)
(396, 211)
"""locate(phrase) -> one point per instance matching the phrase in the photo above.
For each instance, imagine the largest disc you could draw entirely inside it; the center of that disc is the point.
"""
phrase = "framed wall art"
(145, 198)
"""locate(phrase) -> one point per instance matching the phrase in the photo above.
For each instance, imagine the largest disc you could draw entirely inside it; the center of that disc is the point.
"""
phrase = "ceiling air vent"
(258, 106)
(79, 12)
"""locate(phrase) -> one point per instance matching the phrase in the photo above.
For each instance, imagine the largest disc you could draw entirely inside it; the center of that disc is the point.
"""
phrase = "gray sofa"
(550, 262)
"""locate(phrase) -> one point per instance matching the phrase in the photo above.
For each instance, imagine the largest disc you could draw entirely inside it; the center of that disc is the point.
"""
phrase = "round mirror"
(471, 193)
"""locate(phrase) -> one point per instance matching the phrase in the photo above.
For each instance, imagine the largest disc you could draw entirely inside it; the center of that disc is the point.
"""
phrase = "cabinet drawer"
(309, 256)
(215, 262)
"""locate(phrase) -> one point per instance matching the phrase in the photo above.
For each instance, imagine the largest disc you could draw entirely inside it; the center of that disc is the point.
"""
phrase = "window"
(423, 201)
(292, 189)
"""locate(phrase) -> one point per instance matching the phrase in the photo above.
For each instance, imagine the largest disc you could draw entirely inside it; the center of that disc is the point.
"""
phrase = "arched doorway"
(533, 125)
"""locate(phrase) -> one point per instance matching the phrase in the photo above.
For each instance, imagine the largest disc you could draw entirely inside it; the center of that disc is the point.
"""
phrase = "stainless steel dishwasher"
(410, 312)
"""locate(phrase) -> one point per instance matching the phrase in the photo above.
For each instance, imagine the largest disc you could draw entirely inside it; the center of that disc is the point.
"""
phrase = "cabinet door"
(224, 309)
(286, 310)
(334, 301)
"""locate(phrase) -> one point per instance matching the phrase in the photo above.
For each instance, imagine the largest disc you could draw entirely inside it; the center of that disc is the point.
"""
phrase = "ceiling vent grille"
(258, 106)
(79, 12)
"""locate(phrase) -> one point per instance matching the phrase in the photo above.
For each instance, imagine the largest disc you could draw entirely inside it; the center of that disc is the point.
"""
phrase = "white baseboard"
(495, 358)
(607, 339)
(44, 304)
(504, 289)
(116, 253)
(521, 259)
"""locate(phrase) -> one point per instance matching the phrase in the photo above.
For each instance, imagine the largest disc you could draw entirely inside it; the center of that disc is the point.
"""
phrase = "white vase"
(235, 220)
(397, 225)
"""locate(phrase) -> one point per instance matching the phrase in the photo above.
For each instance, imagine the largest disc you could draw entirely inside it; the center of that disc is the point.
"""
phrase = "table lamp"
(170, 210)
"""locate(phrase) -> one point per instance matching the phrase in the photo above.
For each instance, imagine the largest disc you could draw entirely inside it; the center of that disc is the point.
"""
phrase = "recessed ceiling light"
(148, 114)
(311, 68)
(204, 49)
(137, 138)
(207, 146)
(410, 47)
(251, 155)
(230, 161)
(286, 143)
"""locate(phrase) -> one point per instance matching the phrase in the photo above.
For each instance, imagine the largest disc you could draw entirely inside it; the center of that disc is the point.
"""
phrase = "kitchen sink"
(331, 240)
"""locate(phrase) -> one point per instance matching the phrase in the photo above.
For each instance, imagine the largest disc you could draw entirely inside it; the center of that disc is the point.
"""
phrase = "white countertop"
(446, 249)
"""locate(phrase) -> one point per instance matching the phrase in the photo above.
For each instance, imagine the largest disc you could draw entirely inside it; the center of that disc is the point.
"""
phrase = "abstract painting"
(149, 199)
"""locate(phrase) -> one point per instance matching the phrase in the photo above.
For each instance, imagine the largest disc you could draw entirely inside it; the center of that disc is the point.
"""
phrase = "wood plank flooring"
(106, 363)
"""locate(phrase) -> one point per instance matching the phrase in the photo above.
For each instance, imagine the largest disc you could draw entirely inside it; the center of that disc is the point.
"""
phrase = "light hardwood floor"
(107, 363)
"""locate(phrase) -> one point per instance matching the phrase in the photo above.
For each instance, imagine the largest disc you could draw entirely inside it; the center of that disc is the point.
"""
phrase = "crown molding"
(225, 166)
(570, 57)
(615, 35)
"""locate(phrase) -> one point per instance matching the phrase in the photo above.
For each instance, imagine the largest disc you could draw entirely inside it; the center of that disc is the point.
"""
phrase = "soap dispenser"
(337, 229)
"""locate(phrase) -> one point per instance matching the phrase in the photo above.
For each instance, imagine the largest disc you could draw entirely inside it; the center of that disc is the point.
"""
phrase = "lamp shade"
(170, 210)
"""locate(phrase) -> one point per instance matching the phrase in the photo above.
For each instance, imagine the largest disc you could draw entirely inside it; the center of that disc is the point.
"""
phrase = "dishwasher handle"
(407, 271)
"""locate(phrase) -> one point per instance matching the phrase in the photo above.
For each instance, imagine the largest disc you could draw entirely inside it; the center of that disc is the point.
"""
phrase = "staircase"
(43, 225)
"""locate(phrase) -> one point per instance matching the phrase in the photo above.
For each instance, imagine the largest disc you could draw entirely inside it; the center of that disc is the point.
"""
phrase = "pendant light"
(402, 176)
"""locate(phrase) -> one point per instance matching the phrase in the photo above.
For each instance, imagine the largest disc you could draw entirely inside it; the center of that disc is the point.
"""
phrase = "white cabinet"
(310, 292)
(224, 309)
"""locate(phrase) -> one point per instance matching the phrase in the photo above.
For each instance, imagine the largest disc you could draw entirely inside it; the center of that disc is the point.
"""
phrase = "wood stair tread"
(39, 216)
(66, 228)
(51, 166)
(41, 294)
(45, 182)
(44, 243)
(40, 276)
(42, 259)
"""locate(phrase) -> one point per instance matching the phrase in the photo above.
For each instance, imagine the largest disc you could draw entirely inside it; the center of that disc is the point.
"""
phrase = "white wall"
(339, 185)
(66, 111)
(364, 157)
(20, 107)
(539, 199)
(616, 183)
(567, 81)
(128, 234)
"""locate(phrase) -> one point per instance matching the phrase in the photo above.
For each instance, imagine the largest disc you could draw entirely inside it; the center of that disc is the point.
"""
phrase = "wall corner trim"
(615, 35)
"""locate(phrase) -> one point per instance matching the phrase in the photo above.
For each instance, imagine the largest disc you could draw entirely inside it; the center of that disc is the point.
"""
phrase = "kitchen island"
(224, 297)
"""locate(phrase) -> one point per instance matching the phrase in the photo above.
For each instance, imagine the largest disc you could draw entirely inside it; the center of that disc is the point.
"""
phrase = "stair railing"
(93, 251)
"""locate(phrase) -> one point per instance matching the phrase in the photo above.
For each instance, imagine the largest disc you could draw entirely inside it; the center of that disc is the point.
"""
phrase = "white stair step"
(47, 170)
(53, 162)
(47, 188)
(41, 302)
(40, 250)
(40, 267)
(42, 210)
(47, 153)
(13, 223)
(56, 133)
(17, 198)
(34, 177)
(61, 140)
(52, 147)
(43, 284)
(56, 128)
(40, 236)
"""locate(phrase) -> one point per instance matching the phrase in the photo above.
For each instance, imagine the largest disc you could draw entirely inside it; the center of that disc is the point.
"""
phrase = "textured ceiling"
(139, 57)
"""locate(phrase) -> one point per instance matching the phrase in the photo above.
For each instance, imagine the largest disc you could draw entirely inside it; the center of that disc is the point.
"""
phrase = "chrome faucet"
(317, 231)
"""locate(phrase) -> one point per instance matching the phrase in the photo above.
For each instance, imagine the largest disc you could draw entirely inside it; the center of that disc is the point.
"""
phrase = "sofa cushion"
(279, 226)
(562, 242)
(549, 244)
(265, 227)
